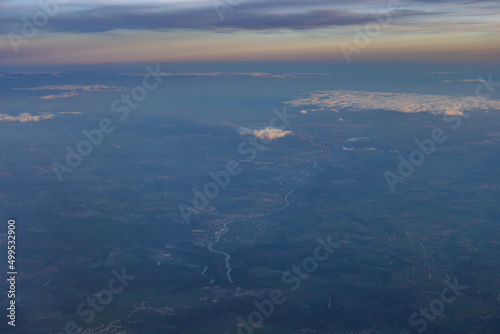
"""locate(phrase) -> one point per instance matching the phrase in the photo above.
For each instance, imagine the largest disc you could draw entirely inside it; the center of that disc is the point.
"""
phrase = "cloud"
(464, 80)
(247, 15)
(400, 102)
(438, 73)
(25, 117)
(267, 133)
(70, 112)
(222, 74)
(357, 138)
(59, 96)
(69, 90)
(32, 74)
(86, 88)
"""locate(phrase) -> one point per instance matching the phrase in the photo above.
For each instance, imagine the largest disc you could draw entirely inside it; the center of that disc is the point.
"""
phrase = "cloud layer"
(400, 102)
(247, 15)
(267, 133)
(85, 17)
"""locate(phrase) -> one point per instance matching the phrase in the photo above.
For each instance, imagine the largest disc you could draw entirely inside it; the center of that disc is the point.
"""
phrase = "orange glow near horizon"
(193, 46)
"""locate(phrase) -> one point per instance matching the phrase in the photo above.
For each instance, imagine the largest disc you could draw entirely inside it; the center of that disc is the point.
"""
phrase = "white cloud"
(267, 133)
(438, 73)
(25, 117)
(357, 138)
(27, 74)
(59, 96)
(69, 90)
(464, 80)
(221, 74)
(86, 88)
(400, 102)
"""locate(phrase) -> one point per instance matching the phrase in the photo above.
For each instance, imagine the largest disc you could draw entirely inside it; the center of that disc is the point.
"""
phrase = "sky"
(118, 31)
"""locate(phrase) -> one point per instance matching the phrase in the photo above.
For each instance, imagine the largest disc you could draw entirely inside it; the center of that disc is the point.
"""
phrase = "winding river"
(226, 229)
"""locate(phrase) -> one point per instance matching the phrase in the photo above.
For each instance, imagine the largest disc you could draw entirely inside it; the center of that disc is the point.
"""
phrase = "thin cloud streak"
(86, 88)
(222, 74)
(68, 91)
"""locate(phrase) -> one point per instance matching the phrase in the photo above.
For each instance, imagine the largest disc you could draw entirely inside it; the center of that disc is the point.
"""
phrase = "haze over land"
(251, 166)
